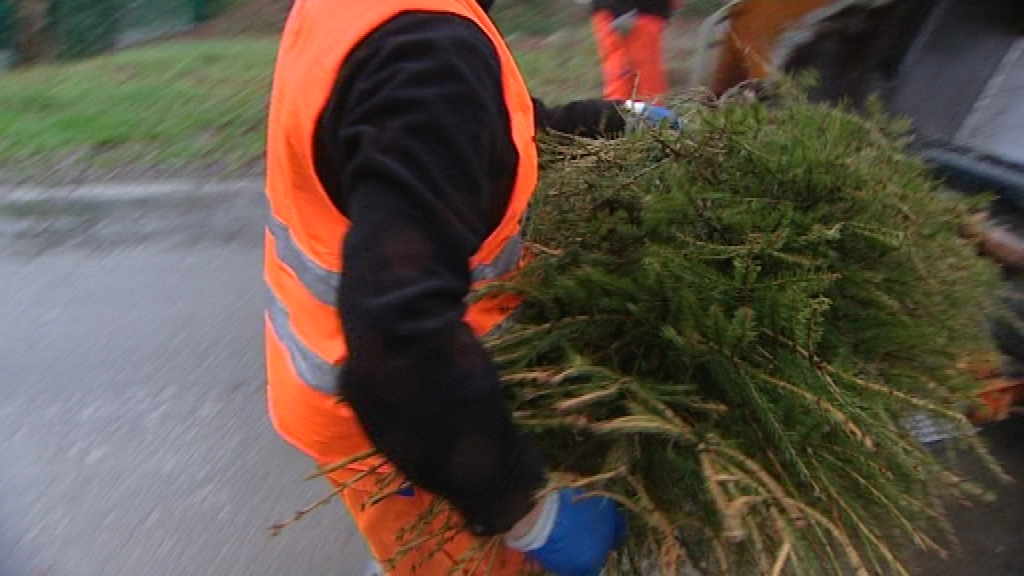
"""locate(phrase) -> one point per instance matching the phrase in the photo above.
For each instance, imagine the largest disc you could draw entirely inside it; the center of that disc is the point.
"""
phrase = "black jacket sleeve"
(587, 118)
(616, 7)
(662, 8)
(415, 149)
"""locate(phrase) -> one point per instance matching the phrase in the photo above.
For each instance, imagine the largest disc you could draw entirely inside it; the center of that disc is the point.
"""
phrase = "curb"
(129, 191)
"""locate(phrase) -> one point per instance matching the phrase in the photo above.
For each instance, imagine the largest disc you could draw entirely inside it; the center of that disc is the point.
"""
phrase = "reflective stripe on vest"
(321, 282)
(324, 284)
(310, 367)
(506, 261)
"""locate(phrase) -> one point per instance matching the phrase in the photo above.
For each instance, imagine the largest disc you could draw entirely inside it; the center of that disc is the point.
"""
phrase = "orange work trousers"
(383, 524)
(631, 63)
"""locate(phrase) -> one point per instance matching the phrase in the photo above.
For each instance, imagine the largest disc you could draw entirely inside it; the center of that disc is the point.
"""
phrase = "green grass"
(561, 67)
(174, 103)
(214, 8)
(533, 17)
(200, 104)
(701, 7)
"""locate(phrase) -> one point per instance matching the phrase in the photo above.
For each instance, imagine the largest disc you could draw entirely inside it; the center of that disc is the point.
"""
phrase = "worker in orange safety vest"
(401, 157)
(629, 35)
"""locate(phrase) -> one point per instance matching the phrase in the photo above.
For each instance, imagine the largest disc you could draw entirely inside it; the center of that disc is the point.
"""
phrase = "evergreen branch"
(920, 538)
(338, 489)
(360, 457)
(628, 504)
(815, 402)
(864, 530)
(764, 559)
(838, 533)
(278, 527)
(647, 398)
(712, 479)
(824, 277)
(619, 472)
(781, 558)
(736, 511)
(821, 544)
(764, 479)
(829, 372)
(896, 394)
(650, 425)
(588, 399)
(672, 556)
(577, 422)
(472, 560)
(386, 488)
(803, 474)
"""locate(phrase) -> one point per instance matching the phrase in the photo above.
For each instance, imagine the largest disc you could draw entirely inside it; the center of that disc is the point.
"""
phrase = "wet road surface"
(133, 435)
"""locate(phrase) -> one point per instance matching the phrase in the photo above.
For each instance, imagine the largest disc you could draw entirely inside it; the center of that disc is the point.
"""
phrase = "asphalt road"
(133, 434)
(991, 536)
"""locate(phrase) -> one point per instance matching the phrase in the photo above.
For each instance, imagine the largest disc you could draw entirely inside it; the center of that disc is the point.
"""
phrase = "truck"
(954, 68)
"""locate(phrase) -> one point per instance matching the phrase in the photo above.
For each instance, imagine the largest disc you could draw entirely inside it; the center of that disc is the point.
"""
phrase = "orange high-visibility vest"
(305, 343)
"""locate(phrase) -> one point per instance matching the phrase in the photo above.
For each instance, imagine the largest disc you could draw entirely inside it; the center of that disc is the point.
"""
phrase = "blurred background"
(123, 114)
(951, 65)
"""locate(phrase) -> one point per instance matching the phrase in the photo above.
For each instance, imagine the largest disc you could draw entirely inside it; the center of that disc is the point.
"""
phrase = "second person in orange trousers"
(629, 34)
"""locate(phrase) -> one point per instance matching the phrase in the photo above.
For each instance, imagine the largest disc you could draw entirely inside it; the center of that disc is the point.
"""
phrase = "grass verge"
(197, 102)
(197, 105)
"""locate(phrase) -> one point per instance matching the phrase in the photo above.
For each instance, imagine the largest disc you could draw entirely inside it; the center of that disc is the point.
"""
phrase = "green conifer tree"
(726, 327)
